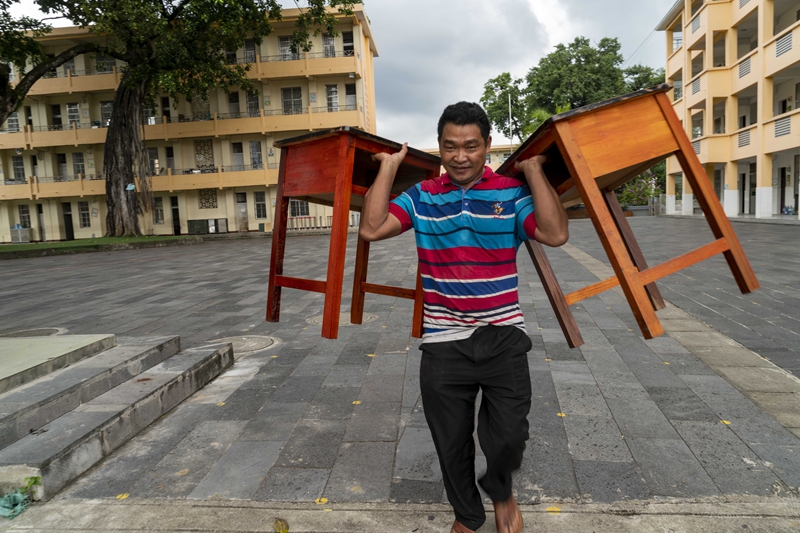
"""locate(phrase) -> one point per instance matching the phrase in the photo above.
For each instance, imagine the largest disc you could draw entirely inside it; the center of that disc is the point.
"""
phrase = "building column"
(6, 221)
(764, 186)
(670, 194)
(730, 198)
(687, 201)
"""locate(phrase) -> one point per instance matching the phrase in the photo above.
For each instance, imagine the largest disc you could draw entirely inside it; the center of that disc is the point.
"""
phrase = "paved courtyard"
(621, 419)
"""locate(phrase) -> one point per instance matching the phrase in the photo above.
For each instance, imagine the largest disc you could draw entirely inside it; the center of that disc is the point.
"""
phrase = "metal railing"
(330, 54)
(69, 177)
(242, 168)
(281, 57)
(65, 73)
(334, 108)
(197, 170)
(14, 181)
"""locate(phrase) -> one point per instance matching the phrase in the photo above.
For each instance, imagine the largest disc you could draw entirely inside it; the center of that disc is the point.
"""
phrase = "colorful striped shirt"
(467, 241)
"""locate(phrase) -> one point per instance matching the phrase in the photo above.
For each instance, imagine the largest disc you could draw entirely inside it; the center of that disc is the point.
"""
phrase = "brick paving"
(620, 419)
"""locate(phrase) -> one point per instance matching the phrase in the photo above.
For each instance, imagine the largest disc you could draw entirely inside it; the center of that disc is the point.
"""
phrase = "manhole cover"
(39, 332)
(344, 319)
(247, 343)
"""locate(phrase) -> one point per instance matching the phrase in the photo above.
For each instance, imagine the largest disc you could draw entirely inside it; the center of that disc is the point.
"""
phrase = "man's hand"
(530, 166)
(551, 218)
(391, 159)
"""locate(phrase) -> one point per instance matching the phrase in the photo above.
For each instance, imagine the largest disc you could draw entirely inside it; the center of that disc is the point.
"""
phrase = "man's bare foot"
(458, 527)
(507, 516)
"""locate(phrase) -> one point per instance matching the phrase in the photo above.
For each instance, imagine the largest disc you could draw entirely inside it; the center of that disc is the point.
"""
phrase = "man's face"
(463, 153)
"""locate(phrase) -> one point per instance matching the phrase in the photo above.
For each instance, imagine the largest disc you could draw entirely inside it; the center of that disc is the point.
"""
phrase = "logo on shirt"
(498, 209)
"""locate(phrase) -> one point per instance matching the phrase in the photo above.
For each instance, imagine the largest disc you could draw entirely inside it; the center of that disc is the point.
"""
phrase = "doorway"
(40, 216)
(753, 181)
(176, 215)
(241, 211)
(68, 227)
(742, 191)
(783, 177)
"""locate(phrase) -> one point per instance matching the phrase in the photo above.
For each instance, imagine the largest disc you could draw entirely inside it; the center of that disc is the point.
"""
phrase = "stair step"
(24, 359)
(65, 448)
(31, 406)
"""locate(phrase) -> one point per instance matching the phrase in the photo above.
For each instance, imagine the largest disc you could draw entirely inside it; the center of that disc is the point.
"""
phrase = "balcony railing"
(68, 178)
(240, 114)
(242, 168)
(72, 125)
(206, 169)
(14, 181)
(66, 73)
(334, 108)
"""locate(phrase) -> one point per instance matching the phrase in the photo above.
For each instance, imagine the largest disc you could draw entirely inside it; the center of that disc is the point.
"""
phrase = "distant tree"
(641, 76)
(576, 74)
(19, 47)
(495, 101)
(175, 47)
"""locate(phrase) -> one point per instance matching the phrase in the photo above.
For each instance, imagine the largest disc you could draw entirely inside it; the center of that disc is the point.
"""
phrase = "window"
(24, 215)
(105, 112)
(152, 158)
(13, 122)
(171, 158)
(252, 104)
(208, 198)
(61, 166)
(350, 96)
(83, 215)
(77, 164)
(230, 56)
(249, 51)
(292, 100)
(285, 49)
(237, 156)
(149, 116)
(256, 157)
(158, 210)
(488, 158)
(69, 68)
(19, 167)
(328, 47)
(73, 114)
(347, 42)
(233, 104)
(332, 98)
(104, 64)
(261, 204)
(298, 208)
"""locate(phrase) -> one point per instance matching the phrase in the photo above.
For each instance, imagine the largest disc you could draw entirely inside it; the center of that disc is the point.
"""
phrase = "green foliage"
(641, 76)
(495, 101)
(640, 190)
(17, 37)
(30, 482)
(576, 74)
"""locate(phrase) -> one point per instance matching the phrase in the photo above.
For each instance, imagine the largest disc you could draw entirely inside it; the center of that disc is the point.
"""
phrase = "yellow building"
(214, 165)
(736, 75)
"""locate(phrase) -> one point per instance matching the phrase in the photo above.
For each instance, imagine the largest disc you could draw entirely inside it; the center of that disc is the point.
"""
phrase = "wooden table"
(335, 168)
(594, 150)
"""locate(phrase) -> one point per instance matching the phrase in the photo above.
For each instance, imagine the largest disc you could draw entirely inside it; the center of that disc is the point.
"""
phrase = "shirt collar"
(487, 174)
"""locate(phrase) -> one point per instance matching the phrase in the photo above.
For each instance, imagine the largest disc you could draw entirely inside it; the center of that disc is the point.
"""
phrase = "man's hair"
(464, 113)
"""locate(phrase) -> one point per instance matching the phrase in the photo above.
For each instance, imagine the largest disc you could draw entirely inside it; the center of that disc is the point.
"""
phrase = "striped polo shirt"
(467, 241)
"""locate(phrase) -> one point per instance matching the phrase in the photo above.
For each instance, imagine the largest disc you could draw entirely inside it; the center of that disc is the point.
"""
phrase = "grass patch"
(89, 243)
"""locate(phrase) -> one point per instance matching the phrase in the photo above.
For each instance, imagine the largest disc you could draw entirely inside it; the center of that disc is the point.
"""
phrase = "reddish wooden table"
(594, 150)
(335, 168)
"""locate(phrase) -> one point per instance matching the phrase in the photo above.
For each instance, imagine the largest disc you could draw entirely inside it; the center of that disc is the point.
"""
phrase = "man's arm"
(551, 217)
(376, 221)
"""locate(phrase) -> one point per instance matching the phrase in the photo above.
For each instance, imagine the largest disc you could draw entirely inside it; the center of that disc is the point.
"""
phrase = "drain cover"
(247, 343)
(39, 332)
(344, 319)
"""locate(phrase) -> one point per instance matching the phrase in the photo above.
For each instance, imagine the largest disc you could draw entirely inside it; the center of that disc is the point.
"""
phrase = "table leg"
(554, 293)
(278, 245)
(362, 263)
(709, 203)
(610, 237)
(633, 246)
(416, 327)
(338, 246)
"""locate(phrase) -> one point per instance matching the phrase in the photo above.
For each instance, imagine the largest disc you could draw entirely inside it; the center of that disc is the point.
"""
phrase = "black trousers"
(494, 360)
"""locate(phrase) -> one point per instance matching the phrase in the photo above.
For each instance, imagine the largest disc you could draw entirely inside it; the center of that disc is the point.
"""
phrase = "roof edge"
(671, 15)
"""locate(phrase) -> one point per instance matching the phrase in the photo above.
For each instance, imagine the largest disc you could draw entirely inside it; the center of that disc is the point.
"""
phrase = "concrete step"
(65, 448)
(29, 407)
(24, 359)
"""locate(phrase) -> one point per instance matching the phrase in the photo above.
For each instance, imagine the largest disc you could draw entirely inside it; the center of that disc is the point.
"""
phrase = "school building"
(213, 162)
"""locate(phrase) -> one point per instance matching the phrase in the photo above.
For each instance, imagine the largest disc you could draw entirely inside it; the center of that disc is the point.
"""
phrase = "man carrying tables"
(469, 224)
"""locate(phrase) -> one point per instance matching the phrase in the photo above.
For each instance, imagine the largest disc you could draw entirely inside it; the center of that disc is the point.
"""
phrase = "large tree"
(19, 47)
(174, 47)
(573, 75)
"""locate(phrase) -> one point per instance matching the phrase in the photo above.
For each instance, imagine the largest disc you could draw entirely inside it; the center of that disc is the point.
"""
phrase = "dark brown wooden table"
(335, 168)
(596, 149)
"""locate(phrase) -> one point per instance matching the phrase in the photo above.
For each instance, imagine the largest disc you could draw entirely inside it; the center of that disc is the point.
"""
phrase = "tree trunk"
(125, 165)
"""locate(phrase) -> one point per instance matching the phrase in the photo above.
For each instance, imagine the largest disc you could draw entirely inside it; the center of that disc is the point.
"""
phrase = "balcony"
(216, 177)
(305, 64)
(783, 50)
(696, 30)
(76, 81)
(782, 132)
(745, 72)
(710, 83)
(16, 190)
(675, 63)
(741, 10)
(712, 148)
(745, 143)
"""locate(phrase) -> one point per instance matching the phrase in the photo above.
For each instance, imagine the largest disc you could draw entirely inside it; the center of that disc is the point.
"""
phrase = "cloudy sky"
(436, 52)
